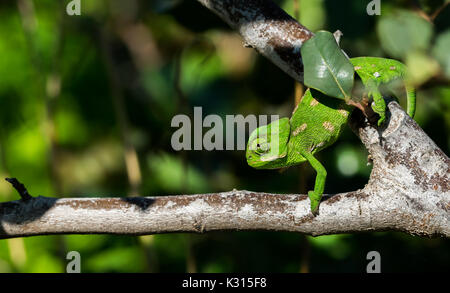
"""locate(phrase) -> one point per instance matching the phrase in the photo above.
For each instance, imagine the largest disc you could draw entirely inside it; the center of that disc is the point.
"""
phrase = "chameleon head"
(267, 145)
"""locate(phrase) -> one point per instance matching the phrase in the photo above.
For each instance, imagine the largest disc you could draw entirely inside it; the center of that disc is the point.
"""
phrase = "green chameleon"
(318, 121)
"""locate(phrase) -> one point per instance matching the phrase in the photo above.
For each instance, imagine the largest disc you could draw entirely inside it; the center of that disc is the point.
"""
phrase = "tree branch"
(268, 29)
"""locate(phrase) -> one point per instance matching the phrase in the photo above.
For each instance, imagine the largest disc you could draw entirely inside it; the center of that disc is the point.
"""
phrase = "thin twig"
(297, 9)
(21, 189)
(430, 18)
(438, 11)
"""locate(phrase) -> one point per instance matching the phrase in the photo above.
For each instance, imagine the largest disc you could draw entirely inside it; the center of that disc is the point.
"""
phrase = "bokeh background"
(85, 109)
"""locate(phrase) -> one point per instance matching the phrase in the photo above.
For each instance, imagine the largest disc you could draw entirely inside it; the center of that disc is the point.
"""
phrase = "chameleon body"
(317, 122)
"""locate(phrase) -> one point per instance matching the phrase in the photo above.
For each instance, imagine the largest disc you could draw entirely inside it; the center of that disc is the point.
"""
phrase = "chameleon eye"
(262, 148)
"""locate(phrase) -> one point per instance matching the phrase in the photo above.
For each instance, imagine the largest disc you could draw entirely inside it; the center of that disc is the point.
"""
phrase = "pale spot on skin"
(300, 129)
(328, 126)
(343, 112)
(314, 103)
(357, 67)
(320, 144)
(392, 68)
(315, 147)
(269, 158)
(377, 74)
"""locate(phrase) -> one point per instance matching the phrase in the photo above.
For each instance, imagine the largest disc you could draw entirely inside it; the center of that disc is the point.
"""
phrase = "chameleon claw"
(315, 200)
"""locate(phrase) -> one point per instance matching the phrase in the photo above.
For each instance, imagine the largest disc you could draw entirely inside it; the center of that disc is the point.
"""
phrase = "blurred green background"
(85, 109)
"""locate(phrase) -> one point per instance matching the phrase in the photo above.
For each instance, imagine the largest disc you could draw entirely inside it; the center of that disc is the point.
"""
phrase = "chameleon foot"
(379, 107)
(381, 121)
(315, 200)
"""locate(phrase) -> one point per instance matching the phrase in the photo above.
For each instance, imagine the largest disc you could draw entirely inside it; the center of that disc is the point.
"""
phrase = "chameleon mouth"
(264, 161)
(254, 162)
(270, 158)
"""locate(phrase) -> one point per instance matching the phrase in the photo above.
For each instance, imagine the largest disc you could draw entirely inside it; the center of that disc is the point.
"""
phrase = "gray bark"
(268, 29)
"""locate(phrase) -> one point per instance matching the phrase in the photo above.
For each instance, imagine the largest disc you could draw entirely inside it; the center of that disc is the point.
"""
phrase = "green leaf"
(326, 67)
(442, 53)
(404, 32)
(421, 68)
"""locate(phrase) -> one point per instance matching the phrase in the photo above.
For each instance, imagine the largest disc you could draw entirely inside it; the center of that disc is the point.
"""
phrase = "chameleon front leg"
(316, 195)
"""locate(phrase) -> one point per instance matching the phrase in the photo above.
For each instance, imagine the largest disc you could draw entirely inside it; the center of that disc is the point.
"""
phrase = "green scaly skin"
(375, 71)
(317, 123)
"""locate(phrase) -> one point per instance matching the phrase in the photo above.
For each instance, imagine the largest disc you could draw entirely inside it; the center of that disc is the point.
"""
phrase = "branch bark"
(408, 190)
(268, 29)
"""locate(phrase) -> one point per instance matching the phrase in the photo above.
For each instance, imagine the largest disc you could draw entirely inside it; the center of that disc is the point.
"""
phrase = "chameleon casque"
(317, 122)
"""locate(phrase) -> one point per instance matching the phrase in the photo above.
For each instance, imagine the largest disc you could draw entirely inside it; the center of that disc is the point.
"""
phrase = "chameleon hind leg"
(379, 106)
(316, 195)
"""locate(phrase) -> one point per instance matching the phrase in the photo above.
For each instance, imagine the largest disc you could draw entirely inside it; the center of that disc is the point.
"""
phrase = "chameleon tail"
(411, 100)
